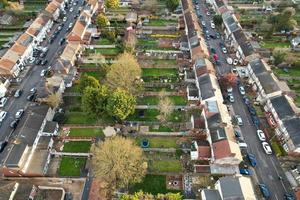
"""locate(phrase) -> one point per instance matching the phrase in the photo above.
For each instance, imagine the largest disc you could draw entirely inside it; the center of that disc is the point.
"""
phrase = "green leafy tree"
(118, 162)
(3, 3)
(120, 104)
(172, 4)
(94, 100)
(284, 20)
(218, 20)
(88, 81)
(102, 21)
(112, 3)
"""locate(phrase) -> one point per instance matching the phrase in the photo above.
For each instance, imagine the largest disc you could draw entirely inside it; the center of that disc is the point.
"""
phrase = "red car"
(216, 57)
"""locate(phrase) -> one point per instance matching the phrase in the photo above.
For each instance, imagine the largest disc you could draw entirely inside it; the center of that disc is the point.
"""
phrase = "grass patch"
(95, 74)
(275, 44)
(154, 100)
(277, 148)
(70, 166)
(104, 41)
(160, 22)
(160, 129)
(153, 184)
(86, 132)
(79, 118)
(148, 115)
(159, 72)
(105, 51)
(159, 166)
(292, 72)
(159, 142)
(82, 146)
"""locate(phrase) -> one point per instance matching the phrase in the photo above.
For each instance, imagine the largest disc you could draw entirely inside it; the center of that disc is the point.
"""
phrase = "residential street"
(30, 80)
(268, 168)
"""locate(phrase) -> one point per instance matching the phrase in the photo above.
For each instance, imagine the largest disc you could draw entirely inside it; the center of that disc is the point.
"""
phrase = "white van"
(243, 145)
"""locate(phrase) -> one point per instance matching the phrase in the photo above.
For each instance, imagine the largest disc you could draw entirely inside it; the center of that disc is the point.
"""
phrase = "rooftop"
(293, 128)
(230, 188)
(282, 107)
(206, 87)
(211, 194)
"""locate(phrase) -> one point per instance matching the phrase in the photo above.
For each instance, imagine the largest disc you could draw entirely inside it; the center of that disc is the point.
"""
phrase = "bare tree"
(53, 100)
(165, 107)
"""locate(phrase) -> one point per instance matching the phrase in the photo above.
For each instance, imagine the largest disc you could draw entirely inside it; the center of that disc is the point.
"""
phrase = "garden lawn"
(88, 65)
(160, 129)
(275, 44)
(86, 132)
(77, 147)
(148, 115)
(95, 74)
(104, 41)
(79, 118)
(159, 142)
(147, 42)
(153, 184)
(105, 51)
(154, 100)
(74, 88)
(160, 166)
(292, 72)
(70, 166)
(158, 72)
(160, 22)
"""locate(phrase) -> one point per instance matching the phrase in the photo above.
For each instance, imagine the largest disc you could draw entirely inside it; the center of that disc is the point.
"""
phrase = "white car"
(234, 71)
(229, 60)
(43, 73)
(71, 9)
(212, 25)
(3, 101)
(267, 148)
(2, 115)
(203, 23)
(207, 13)
(229, 90)
(224, 49)
(231, 98)
(65, 19)
(238, 120)
(19, 113)
(242, 90)
(235, 61)
(261, 135)
(243, 73)
(71, 25)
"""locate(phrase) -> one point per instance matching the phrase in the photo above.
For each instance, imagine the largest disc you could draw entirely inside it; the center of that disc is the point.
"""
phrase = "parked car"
(234, 70)
(237, 134)
(264, 190)
(267, 148)
(235, 61)
(31, 97)
(33, 90)
(229, 90)
(212, 25)
(3, 101)
(252, 159)
(229, 61)
(2, 115)
(212, 36)
(261, 135)
(203, 23)
(218, 35)
(224, 50)
(71, 9)
(217, 62)
(65, 19)
(19, 113)
(62, 40)
(208, 13)
(255, 120)
(18, 93)
(246, 171)
(246, 100)
(289, 196)
(3, 145)
(242, 90)
(213, 50)
(231, 98)
(238, 120)
(37, 61)
(44, 62)
(252, 110)
(14, 123)
(43, 73)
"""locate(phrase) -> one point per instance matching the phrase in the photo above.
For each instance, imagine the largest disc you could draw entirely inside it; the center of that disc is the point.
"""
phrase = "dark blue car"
(252, 110)
(264, 190)
(289, 196)
(255, 120)
(246, 171)
(252, 159)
